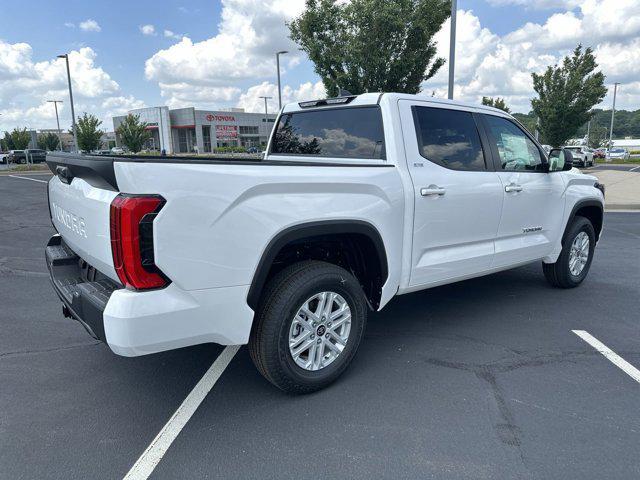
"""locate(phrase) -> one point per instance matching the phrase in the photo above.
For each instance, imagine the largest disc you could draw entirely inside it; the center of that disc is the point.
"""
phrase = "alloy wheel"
(319, 331)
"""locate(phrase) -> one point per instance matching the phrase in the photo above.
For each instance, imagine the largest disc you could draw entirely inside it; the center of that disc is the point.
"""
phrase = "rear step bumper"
(83, 290)
(134, 323)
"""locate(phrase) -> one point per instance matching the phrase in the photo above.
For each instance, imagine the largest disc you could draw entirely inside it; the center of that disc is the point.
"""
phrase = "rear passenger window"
(449, 138)
(338, 132)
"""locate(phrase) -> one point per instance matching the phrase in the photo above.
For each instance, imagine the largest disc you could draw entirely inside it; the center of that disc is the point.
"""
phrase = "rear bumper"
(137, 323)
(84, 291)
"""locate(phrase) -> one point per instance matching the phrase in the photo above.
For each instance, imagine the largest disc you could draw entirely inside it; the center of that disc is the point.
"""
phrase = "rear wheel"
(574, 261)
(308, 326)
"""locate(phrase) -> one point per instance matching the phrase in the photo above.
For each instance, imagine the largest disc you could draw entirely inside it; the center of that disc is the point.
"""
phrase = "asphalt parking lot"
(480, 379)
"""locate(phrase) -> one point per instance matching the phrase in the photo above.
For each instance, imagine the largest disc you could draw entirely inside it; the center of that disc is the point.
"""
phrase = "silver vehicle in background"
(617, 154)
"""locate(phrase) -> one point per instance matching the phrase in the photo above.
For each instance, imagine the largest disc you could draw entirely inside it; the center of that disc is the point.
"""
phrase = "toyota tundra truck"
(358, 199)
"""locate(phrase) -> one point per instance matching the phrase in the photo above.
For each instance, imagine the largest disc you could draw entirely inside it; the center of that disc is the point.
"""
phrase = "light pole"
(73, 113)
(266, 119)
(55, 104)
(281, 52)
(613, 113)
(452, 47)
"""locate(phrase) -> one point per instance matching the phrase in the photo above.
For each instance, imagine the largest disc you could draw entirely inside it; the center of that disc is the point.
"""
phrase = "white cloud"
(148, 30)
(250, 100)
(249, 34)
(26, 85)
(120, 105)
(179, 95)
(488, 65)
(473, 44)
(89, 25)
(69, 24)
(170, 34)
(538, 4)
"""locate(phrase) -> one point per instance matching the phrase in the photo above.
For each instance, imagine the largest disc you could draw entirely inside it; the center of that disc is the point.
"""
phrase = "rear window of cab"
(348, 132)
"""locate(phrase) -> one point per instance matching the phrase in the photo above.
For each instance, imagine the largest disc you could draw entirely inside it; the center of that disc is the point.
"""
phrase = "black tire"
(283, 296)
(558, 274)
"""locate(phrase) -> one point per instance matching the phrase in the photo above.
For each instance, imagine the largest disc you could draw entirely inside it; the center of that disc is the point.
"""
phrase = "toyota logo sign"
(220, 118)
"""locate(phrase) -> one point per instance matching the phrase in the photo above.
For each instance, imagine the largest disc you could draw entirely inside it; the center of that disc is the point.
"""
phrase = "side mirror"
(560, 160)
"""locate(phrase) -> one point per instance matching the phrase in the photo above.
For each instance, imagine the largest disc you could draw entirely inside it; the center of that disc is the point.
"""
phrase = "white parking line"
(159, 446)
(27, 178)
(634, 168)
(609, 354)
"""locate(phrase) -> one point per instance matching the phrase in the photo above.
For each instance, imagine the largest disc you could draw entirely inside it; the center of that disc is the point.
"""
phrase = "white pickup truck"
(358, 199)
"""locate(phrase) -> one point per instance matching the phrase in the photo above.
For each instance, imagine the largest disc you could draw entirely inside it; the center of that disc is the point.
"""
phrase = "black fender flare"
(311, 229)
(581, 204)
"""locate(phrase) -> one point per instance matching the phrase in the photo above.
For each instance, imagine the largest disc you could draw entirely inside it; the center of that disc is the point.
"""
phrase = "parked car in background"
(582, 156)
(599, 153)
(102, 152)
(289, 253)
(252, 150)
(16, 156)
(35, 155)
(117, 150)
(617, 154)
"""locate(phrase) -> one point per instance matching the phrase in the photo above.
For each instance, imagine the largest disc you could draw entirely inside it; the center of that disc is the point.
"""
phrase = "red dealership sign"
(226, 131)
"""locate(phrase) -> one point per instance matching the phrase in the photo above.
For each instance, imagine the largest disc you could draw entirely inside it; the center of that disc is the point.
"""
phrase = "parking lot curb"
(612, 207)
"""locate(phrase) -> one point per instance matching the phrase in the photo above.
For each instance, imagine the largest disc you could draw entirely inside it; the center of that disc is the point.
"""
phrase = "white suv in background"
(582, 156)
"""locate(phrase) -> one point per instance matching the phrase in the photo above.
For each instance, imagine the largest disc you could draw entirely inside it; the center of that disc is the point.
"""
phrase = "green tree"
(529, 120)
(20, 138)
(627, 124)
(371, 45)
(133, 132)
(598, 136)
(496, 103)
(88, 132)
(566, 95)
(7, 142)
(48, 141)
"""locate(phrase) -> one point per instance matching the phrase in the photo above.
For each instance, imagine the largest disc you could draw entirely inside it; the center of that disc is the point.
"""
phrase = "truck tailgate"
(80, 213)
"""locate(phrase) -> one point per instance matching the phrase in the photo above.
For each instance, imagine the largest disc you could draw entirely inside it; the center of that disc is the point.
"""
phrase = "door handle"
(512, 187)
(432, 190)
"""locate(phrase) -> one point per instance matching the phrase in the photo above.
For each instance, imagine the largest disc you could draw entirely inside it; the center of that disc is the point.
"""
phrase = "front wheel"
(574, 261)
(308, 327)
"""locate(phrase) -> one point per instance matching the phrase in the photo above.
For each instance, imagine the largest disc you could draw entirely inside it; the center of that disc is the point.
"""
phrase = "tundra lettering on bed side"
(70, 220)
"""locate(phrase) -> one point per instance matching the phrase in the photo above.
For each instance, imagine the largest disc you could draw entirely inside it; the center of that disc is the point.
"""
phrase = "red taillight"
(132, 240)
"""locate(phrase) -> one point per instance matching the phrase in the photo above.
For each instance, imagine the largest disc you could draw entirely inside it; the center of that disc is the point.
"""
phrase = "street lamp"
(55, 104)
(452, 46)
(281, 52)
(613, 112)
(266, 119)
(73, 113)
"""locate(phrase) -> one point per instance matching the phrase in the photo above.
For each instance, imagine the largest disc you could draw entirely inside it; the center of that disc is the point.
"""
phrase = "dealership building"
(186, 130)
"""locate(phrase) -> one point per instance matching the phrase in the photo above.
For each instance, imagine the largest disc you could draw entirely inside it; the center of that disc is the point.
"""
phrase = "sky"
(220, 54)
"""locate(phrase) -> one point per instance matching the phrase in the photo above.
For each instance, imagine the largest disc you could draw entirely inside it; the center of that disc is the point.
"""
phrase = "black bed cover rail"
(98, 169)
